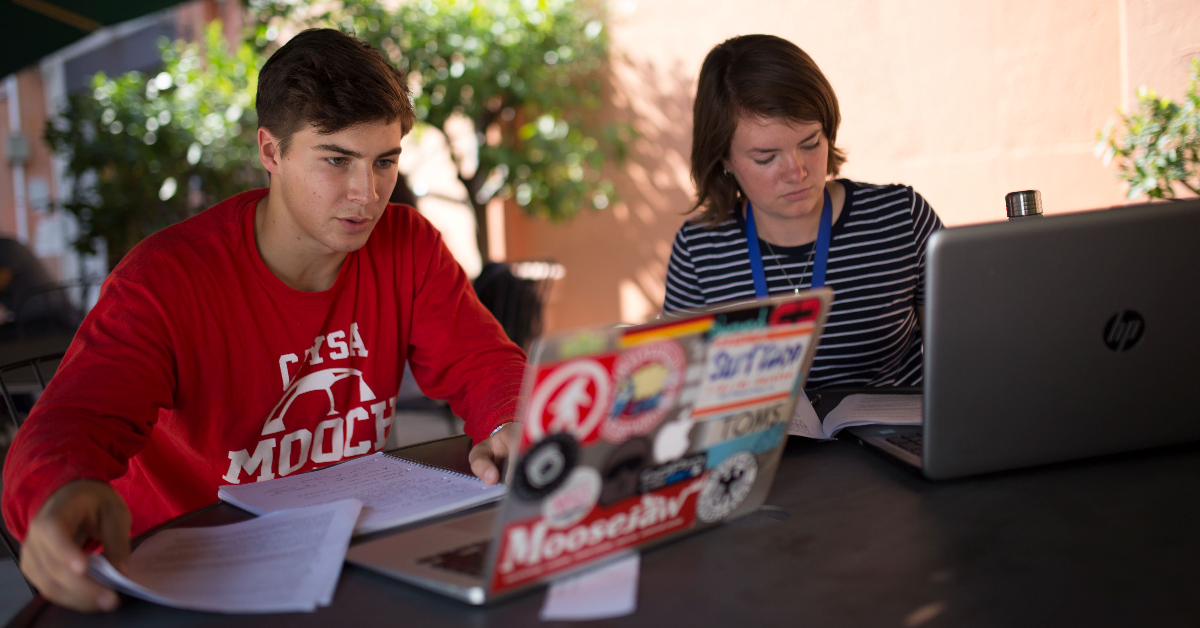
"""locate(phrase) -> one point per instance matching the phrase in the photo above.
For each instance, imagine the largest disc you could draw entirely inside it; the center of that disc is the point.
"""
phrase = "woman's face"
(780, 166)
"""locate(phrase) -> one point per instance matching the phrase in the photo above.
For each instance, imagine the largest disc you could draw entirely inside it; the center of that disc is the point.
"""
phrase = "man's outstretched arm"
(53, 557)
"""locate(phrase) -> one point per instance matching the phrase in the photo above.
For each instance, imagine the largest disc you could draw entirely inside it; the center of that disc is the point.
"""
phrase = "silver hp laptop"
(631, 437)
(1057, 338)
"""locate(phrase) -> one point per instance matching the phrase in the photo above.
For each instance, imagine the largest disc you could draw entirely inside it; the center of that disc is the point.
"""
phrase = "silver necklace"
(794, 287)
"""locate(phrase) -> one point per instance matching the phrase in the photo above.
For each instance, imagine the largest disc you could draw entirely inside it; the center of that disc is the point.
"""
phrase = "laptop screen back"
(1061, 337)
(636, 435)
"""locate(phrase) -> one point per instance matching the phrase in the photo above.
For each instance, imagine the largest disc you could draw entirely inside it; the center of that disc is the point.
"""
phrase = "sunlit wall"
(965, 101)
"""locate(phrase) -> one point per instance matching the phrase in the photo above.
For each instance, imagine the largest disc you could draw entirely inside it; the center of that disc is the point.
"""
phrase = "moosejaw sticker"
(752, 367)
(649, 378)
(532, 548)
(570, 397)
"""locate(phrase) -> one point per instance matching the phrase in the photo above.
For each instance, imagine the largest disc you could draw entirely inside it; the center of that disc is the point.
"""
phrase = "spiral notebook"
(394, 491)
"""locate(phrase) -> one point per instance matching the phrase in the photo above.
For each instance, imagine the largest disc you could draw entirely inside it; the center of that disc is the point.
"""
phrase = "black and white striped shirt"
(876, 268)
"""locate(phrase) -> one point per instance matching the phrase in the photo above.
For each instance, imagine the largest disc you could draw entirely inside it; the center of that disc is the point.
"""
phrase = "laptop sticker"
(573, 500)
(755, 443)
(796, 312)
(621, 471)
(569, 397)
(751, 366)
(740, 423)
(546, 466)
(673, 438)
(648, 380)
(675, 471)
(727, 486)
(665, 331)
(532, 548)
(583, 343)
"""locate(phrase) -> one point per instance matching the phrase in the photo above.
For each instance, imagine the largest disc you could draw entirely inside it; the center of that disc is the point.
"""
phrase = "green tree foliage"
(1160, 145)
(525, 73)
(145, 152)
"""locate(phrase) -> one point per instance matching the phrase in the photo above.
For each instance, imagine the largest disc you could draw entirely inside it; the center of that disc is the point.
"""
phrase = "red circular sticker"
(571, 399)
(647, 379)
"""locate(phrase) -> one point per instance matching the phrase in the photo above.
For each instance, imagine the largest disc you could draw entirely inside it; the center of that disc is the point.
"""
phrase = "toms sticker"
(727, 487)
(571, 397)
(572, 501)
(648, 380)
(740, 423)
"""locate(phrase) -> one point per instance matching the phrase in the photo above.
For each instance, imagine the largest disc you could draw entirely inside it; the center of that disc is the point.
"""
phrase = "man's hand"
(486, 457)
(53, 557)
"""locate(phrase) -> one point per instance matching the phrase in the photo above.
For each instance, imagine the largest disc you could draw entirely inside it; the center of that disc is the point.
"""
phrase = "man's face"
(335, 187)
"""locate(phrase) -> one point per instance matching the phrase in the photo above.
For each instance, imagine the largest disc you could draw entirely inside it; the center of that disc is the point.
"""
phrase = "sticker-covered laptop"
(632, 436)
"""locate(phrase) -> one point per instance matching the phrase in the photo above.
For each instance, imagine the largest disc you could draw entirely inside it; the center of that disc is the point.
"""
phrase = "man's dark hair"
(753, 76)
(332, 81)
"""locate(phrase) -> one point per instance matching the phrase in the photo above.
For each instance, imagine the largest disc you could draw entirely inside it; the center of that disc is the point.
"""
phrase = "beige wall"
(964, 101)
(31, 96)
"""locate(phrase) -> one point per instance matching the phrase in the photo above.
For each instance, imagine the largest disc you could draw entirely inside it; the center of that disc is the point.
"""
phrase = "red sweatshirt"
(198, 367)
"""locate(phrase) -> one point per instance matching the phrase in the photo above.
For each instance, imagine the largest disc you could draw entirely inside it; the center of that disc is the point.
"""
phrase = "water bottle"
(1023, 204)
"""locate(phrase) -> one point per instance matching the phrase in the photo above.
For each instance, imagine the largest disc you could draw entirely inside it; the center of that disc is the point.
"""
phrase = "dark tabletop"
(850, 538)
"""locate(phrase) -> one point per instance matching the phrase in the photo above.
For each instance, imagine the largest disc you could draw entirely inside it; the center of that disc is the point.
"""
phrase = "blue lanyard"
(819, 262)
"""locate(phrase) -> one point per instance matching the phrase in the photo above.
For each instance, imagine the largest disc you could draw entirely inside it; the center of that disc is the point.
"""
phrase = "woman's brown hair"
(753, 76)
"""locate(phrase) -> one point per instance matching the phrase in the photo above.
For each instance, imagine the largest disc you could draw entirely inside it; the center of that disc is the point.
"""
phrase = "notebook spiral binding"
(433, 468)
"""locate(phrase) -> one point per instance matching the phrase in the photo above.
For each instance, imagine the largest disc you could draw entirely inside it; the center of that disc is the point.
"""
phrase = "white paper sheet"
(393, 491)
(804, 420)
(285, 561)
(601, 593)
(875, 410)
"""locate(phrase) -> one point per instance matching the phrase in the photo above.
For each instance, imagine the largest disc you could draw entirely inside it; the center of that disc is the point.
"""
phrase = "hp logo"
(1124, 330)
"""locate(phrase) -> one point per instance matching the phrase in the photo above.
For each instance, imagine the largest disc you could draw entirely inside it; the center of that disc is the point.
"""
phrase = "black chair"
(21, 383)
(53, 307)
(515, 298)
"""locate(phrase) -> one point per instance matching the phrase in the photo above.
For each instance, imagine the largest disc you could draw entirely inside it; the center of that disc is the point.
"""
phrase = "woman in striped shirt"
(775, 219)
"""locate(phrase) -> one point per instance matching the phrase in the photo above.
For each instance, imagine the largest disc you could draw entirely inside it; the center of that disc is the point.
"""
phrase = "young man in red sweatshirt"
(265, 336)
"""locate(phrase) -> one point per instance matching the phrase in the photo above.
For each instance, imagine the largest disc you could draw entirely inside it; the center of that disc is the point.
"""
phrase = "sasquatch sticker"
(570, 397)
(727, 487)
(648, 380)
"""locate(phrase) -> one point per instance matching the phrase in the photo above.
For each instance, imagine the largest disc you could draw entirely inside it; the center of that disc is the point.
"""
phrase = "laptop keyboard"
(908, 442)
(467, 559)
